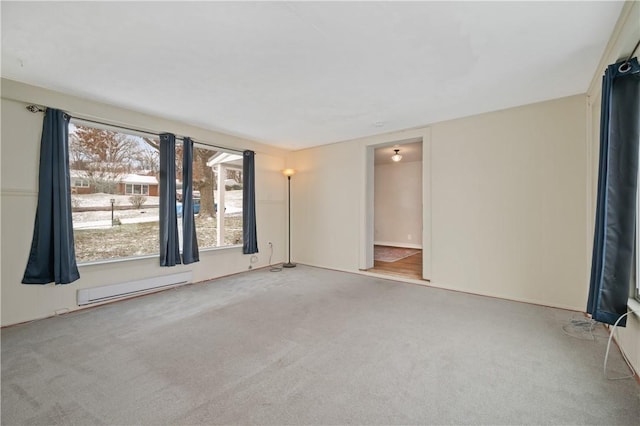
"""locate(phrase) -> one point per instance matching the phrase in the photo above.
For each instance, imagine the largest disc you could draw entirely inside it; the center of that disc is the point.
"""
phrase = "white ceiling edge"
(300, 74)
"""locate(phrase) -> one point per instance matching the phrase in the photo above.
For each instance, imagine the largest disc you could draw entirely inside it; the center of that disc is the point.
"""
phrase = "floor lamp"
(288, 173)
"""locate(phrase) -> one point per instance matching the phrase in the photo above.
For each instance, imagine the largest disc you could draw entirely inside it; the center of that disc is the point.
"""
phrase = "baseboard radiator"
(88, 296)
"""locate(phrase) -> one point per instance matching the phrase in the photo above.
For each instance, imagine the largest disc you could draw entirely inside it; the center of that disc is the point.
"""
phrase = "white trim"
(398, 278)
(369, 144)
(427, 239)
(16, 192)
(118, 259)
(387, 277)
(637, 248)
(633, 306)
(401, 245)
(431, 284)
(589, 176)
(446, 286)
(132, 186)
(612, 49)
(152, 256)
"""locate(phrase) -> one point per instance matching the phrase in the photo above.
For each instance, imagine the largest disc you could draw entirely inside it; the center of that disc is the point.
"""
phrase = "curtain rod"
(37, 108)
(633, 51)
(626, 66)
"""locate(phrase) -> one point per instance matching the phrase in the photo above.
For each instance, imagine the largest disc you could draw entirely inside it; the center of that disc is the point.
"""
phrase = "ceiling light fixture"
(396, 157)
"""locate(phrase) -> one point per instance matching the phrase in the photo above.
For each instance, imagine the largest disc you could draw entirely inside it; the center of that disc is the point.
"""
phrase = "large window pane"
(116, 166)
(217, 193)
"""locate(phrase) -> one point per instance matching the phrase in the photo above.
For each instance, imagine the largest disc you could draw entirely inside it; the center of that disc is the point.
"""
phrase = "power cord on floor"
(580, 328)
(273, 268)
(626, 360)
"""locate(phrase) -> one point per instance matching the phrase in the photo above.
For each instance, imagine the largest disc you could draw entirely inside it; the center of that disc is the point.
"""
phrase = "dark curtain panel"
(53, 257)
(189, 241)
(617, 185)
(169, 243)
(249, 231)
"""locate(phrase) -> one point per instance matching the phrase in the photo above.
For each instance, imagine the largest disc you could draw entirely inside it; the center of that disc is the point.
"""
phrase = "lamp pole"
(113, 200)
(288, 173)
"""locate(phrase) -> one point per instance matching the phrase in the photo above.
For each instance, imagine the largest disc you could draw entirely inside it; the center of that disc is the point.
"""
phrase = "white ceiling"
(299, 74)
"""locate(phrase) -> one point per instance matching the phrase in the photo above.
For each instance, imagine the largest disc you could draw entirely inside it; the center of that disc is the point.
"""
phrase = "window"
(105, 159)
(119, 174)
(136, 189)
(217, 192)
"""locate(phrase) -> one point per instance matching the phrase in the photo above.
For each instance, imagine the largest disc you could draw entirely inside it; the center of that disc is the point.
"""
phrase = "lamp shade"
(288, 172)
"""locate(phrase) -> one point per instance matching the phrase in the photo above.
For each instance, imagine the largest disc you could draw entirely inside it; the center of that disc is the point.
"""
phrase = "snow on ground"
(148, 213)
(103, 200)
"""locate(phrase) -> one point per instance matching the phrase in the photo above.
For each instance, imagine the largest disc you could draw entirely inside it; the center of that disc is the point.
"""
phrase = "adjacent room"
(320, 213)
(397, 195)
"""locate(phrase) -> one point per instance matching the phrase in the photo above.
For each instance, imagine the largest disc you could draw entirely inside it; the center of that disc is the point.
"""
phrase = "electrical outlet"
(409, 237)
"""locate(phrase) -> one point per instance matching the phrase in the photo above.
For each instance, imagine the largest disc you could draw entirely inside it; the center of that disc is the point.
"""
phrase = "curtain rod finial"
(35, 108)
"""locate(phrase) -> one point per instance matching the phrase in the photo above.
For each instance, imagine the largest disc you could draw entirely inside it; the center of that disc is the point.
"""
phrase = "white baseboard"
(401, 245)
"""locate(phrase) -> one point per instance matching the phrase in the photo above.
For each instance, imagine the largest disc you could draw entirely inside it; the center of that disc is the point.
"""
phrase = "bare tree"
(149, 161)
(104, 156)
(204, 181)
(235, 175)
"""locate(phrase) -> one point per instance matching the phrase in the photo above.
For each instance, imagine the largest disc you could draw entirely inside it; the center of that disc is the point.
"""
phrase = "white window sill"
(634, 305)
(150, 256)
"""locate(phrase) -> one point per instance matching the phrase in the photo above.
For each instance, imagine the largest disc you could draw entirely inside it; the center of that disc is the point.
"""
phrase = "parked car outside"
(196, 207)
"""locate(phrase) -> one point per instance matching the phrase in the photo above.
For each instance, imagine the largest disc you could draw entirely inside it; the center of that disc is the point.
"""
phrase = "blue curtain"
(190, 252)
(249, 231)
(169, 243)
(53, 257)
(617, 185)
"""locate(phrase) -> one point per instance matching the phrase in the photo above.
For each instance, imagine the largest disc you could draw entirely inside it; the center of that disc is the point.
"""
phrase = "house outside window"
(110, 164)
(136, 189)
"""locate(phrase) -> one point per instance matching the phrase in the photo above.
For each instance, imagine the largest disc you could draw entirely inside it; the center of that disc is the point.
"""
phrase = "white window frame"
(80, 122)
(130, 189)
(637, 248)
(220, 201)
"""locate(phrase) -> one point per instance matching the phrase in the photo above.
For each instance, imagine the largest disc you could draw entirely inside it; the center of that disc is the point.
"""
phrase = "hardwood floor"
(410, 267)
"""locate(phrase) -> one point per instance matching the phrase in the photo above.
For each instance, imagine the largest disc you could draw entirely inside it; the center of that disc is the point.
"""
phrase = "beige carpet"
(310, 346)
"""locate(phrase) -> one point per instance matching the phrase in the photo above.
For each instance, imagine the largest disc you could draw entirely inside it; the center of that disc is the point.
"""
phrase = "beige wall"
(505, 211)
(508, 203)
(325, 205)
(623, 39)
(398, 204)
(19, 156)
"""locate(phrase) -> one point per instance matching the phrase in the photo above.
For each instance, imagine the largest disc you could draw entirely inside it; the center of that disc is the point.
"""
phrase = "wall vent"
(88, 296)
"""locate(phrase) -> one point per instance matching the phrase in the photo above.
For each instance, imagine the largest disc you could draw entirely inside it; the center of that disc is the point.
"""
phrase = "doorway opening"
(396, 243)
(397, 261)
